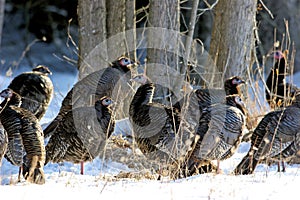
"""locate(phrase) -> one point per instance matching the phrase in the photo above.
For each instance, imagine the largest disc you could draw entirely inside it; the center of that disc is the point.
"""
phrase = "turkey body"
(220, 130)
(146, 125)
(276, 134)
(3, 142)
(156, 126)
(25, 138)
(110, 81)
(81, 134)
(35, 88)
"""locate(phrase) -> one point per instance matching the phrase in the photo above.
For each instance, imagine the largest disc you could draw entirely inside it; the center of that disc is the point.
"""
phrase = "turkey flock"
(183, 134)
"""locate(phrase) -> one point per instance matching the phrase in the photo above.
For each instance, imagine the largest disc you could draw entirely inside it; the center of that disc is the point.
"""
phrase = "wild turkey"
(82, 133)
(3, 142)
(220, 130)
(276, 134)
(110, 81)
(35, 88)
(279, 93)
(25, 137)
(200, 99)
(155, 126)
(195, 103)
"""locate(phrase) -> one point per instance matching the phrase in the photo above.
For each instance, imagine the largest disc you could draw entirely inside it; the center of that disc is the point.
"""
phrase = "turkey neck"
(275, 78)
(121, 68)
(146, 91)
(281, 65)
(229, 89)
(231, 102)
(141, 100)
(297, 101)
(101, 110)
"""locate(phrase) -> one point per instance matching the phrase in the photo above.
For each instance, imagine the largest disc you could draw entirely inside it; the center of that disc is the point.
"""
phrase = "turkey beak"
(297, 96)
(243, 104)
(2, 95)
(112, 106)
(133, 64)
(239, 82)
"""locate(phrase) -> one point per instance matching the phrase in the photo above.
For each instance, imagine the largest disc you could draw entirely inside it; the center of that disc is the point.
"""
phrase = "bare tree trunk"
(92, 31)
(130, 27)
(232, 39)
(2, 6)
(102, 36)
(163, 43)
(115, 25)
(189, 40)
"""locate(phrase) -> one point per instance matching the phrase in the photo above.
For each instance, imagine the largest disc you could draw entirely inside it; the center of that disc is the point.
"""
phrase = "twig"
(266, 8)
(26, 50)
(189, 39)
(105, 184)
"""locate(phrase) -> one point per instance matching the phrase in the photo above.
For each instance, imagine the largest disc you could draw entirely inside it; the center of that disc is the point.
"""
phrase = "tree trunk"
(2, 6)
(232, 39)
(115, 25)
(130, 28)
(192, 22)
(163, 43)
(92, 31)
(274, 29)
(102, 36)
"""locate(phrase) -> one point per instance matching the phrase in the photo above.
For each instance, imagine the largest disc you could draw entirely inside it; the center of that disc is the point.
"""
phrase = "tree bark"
(232, 39)
(191, 26)
(92, 31)
(2, 6)
(115, 26)
(163, 43)
(102, 33)
(130, 28)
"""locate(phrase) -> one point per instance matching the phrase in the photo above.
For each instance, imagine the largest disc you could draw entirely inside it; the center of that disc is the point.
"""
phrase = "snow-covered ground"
(64, 180)
(102, 179)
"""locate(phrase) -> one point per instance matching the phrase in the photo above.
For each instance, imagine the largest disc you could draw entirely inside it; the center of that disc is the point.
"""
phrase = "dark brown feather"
(35, 88)
(276, 134)
(110, 81)
(25, 137)
(81, 134)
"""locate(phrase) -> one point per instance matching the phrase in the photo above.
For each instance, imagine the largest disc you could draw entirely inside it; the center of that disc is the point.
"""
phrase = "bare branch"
(192, 23)
(266, 8)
